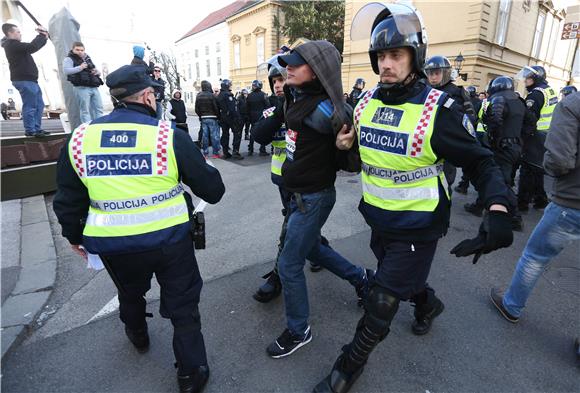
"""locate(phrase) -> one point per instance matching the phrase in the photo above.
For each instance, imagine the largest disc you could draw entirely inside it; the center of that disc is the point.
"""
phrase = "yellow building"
(494, 37)
(253, 40)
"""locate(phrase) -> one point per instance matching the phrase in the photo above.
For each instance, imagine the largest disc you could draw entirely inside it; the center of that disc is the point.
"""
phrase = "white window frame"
(219, 66)
(237, 50)
(502, 21)
(540, 25)
(260, 45)
(208, 67)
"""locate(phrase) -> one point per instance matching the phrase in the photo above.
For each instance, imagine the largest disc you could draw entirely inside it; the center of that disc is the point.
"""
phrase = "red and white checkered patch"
(162, 141)
(424, 121)
(361, 106)
(77, 149)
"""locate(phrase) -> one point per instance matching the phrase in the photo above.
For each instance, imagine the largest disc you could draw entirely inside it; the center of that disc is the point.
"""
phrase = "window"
(208, 68)
(557, 26)
(237, 55)
(538, 35)
(189, 71)
(196, 70)
(260, 49)
(196, 53)
(219, 66)
(217, 47)
(207, 50)
(502, 22)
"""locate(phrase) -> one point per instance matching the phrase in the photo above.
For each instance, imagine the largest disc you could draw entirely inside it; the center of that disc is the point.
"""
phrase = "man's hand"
(79, 250)
(345, 138)
(495, 232)
(42, 30)
(83, 65)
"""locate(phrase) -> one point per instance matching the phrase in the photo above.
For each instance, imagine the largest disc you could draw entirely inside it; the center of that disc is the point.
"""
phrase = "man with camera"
(24, 75)
(82, 73)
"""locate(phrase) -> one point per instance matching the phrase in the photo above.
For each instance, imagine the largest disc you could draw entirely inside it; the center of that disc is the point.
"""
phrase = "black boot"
(462, 188)
(338, 381)
(139, 338)
(195, 382)
(271, 289)
(474, 208)
(425, 314)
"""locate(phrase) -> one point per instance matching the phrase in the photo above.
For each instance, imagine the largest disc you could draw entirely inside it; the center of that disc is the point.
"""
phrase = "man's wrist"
(498, 207)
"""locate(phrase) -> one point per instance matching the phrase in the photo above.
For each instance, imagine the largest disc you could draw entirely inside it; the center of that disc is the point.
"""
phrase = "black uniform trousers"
(236, 129)
(403, 267)
(177, 273)
(531, 185)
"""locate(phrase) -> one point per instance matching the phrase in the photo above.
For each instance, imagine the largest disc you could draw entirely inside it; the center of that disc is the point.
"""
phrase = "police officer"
(477, 103)
(540, 102)
(567, 90)
(504, 119)
(405, 130)
(357, 91)
(120, 196)
(438, 70)
(256, 102)
(230, 119)
(243, 108)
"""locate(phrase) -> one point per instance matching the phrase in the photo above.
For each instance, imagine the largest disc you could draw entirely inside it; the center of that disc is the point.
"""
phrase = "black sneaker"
(496, 297)
(237, 156)
(139, 338)
(195, 382)
(288, 343)
(362, 289)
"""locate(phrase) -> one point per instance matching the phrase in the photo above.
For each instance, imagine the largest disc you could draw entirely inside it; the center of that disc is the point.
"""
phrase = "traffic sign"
(571, 31)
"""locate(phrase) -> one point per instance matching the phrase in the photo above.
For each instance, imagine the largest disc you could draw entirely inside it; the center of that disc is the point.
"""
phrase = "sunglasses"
(157, 70)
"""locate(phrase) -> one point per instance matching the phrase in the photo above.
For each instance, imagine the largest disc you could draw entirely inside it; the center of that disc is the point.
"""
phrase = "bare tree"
(168, 64)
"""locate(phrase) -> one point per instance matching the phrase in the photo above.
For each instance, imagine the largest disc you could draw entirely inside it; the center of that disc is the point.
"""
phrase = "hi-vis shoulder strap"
(363, 102)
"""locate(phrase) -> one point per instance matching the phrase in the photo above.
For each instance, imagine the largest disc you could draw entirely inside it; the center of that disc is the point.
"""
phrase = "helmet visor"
(525, 73)
(263, 69)
(407, 21)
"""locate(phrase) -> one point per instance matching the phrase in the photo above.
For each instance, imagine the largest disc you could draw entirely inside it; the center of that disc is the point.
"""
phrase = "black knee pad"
(381, 309)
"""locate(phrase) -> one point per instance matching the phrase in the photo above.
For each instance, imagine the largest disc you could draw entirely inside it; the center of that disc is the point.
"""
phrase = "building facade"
(494, 37)
(253, 40)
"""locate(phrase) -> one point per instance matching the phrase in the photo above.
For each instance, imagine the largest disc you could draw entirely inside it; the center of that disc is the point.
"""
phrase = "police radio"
(198, 230)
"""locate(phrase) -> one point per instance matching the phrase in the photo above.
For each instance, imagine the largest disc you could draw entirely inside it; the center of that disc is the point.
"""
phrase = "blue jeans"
(303, 241)
(90, 104)
(210, 130)
(32, 104)
(558, 227)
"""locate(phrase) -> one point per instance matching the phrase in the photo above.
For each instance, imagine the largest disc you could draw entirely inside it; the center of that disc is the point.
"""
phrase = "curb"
(37, 275)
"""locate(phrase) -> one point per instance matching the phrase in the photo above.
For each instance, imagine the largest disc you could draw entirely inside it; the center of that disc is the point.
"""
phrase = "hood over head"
(206, 86)
(324, 59)
(175, 91)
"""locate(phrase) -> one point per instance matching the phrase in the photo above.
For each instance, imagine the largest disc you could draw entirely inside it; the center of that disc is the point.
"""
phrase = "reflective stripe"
(401, 177)
(277, 164)
(137, 203)
(108, 220)
(401, 194)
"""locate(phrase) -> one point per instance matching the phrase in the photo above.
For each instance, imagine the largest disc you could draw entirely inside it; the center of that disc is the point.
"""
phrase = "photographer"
(81, 72)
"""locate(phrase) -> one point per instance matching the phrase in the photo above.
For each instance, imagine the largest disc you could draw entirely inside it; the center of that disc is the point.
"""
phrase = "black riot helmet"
(226, 85)
(567, 90)
(472, 91)
(256, 84)
(359, 84)
(392, 26)
(439, 63)
(501, 83)
(536, 73)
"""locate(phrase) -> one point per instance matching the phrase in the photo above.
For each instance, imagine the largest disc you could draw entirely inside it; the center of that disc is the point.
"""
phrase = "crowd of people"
(405, 136)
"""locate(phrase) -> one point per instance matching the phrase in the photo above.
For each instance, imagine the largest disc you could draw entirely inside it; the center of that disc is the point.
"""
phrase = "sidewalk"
(28, 266)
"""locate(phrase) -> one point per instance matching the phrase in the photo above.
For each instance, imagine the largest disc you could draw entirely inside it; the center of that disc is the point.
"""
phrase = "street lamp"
(458, 63)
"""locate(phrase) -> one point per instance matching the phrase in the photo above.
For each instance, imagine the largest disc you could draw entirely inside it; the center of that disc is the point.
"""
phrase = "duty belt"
(401, 177)
(137, 203)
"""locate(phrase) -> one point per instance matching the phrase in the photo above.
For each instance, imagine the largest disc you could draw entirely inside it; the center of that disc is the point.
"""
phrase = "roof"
(217, 17)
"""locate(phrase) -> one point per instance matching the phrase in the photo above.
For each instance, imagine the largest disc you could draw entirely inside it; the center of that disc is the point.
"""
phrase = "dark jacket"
(462, 97)
(71, 202)
(178, 110)
(533, 141)
(243, 107)
(451, 141)
(354, 96)
(562, 158)
(206, 105)
(504, 117)
(84, 77)
(19, 55)
(256, 103)
(139, 61)
(159, 90)
(229, 112)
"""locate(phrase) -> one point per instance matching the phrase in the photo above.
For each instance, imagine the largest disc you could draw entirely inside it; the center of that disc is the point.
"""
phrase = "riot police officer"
(405, 130)
(256, 103)
(120, 196)
(230, 119)
(357, 91)
(504, 119)
(438, 70)
(540, 102)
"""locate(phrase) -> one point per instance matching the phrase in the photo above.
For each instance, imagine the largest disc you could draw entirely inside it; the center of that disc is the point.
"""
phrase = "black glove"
(494, 232)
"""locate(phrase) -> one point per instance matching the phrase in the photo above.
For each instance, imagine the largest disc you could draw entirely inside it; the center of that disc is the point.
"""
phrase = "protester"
(176, 111)
(82, 73)
(206, 107)
(24, 75)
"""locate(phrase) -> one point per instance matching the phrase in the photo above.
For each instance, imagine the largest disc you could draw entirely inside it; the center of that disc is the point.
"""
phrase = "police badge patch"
(530, 103)
(468, 126)
(388, 116)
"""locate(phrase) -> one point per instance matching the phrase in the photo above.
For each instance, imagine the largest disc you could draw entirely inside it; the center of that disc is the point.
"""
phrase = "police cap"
(128, 80)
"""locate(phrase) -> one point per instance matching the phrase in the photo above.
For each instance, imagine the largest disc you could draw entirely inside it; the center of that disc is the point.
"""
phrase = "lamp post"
(458, 63)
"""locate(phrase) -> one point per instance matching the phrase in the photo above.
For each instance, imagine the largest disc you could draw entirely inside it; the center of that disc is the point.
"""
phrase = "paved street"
(78, 343)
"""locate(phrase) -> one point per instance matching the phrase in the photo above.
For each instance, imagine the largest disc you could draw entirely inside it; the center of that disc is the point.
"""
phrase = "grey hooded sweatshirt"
(562, 157)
